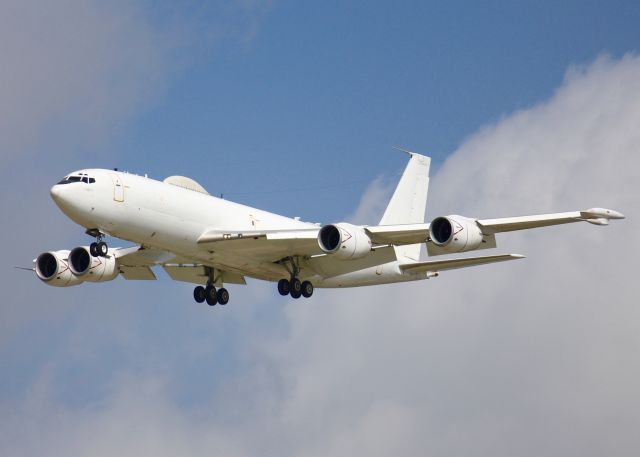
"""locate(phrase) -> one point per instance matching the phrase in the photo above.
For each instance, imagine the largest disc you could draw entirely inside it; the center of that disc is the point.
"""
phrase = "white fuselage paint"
(165, 216)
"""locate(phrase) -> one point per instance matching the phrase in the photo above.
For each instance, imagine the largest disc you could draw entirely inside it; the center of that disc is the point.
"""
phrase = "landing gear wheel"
(102, 249)
(296, 288)
(199, 294)
(223, 296)
(93, 249)
(210, 295)
(284, 287)
(307, 289)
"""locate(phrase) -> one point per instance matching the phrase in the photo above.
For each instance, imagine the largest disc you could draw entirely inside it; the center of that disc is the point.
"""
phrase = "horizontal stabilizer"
(451, 264)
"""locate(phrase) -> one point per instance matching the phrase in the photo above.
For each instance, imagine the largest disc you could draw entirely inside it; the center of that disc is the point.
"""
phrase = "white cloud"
(72, 71)
(538, 357)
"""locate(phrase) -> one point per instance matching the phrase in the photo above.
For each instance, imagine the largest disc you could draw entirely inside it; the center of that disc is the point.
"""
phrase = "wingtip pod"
(600, 216)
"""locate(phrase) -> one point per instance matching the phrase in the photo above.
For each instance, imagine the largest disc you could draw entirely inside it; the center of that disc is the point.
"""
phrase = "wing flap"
(451, 264)
(137, 273)
(196, 274)
(214, 236)
(270, 245)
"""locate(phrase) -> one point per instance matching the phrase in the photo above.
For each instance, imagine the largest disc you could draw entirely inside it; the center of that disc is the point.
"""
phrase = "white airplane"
(205, 240)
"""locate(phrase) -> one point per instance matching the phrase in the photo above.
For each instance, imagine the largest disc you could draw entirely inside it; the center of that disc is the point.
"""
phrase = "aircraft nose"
(58, 194)
(55, 192)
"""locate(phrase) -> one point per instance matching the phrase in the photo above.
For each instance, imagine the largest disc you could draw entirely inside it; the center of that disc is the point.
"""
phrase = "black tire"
(223, 296)
(199, 294)
(102, 249)
(284, 287)
(307, 289)
(93, 249)
(211, 295)
(296, 288)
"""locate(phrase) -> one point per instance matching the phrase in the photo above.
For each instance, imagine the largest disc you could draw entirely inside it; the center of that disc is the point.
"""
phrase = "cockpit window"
(83, 177)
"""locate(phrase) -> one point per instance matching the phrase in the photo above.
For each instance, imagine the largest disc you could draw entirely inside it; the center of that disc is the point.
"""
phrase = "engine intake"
(53, 269)
(345, 241)
(94, 269)
(455, 233)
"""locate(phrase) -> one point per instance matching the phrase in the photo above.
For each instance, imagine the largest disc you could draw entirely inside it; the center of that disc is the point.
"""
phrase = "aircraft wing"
(451, 264)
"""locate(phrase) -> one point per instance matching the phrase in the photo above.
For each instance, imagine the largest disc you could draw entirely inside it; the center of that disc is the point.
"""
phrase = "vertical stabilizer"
(409, 201)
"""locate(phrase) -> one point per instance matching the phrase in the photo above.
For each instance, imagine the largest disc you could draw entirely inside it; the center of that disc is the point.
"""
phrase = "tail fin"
(409, 200)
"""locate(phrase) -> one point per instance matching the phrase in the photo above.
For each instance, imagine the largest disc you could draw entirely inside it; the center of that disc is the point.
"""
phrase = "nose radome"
(55, 191)
(57, 194)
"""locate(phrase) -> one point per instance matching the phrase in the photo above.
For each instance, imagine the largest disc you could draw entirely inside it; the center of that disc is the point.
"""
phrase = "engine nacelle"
(455, 233)
(344, 241)
(53, 269)
(94, 269)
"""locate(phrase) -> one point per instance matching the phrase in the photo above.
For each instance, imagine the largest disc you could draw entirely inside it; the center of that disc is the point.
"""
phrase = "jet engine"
(344, 241)
(53, 269)
(455, 233)
(94, 269)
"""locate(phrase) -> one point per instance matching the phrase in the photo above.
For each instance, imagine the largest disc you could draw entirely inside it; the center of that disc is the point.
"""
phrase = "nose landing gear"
(98, 248)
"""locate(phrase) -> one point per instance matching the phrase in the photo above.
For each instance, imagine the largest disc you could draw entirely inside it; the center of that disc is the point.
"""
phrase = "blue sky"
(294, 107)
(328, 88)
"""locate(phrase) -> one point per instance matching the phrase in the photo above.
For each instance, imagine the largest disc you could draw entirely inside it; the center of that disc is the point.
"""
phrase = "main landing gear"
(209, 293)
(295, 288)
